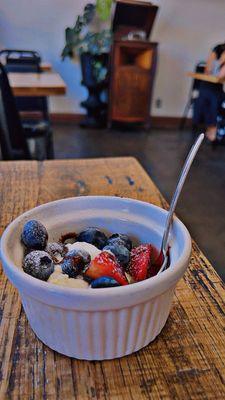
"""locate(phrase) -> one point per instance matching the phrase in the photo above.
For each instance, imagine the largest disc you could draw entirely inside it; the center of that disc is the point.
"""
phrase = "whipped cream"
(90, 248)
(58, 278)
(57, 269)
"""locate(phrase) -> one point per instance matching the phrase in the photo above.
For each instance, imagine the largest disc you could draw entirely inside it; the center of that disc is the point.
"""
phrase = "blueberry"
(93, 236)
(120, 251)
(75, 262)
(38, 264)
(34, 235)
(104, 282)
(120, 238)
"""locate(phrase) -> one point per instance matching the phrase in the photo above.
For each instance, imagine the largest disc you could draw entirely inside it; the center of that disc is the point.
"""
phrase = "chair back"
(13, 141)
(23, 61)
(199, 68)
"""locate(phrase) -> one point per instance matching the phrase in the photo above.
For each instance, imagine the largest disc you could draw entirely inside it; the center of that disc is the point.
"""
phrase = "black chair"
(26, 61)
(193, 93)
(221, 122)
(21, 141)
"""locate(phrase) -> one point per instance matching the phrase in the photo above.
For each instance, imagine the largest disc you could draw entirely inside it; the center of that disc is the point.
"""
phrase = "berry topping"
(93, 236)
(68, 238)
(156, 261)
(89, 248)
(120, 251)
(38, 264)
(140, 262)
(64, 280)
(120, 238)
(104, 282)
(56, 250)
(82, 253)
(34, 235)
(75, 262)
(105, 264)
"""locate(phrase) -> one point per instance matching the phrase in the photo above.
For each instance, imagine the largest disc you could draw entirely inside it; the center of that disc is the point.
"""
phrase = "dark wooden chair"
(31, 140)
(26, 61)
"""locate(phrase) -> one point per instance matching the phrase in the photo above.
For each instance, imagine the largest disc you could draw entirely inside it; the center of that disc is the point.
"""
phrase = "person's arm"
(209, 63)
(222, 58)
(221, 74)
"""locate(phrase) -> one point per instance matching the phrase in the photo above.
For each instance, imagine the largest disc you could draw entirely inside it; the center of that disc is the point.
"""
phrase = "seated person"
(211, 94)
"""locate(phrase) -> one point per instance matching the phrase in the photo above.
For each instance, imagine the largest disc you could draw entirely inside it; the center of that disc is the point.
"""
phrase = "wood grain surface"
(35, 84)
(186, 361)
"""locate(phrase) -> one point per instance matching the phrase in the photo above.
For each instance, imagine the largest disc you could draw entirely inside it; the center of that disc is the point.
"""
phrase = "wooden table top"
(36, 84)
(186, 361)
(46, 66)
(205, 77)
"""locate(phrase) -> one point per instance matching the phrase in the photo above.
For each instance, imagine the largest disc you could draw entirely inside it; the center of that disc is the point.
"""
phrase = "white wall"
(185, 30)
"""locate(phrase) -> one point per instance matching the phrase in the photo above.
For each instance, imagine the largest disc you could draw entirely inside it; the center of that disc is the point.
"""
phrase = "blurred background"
(185, 31)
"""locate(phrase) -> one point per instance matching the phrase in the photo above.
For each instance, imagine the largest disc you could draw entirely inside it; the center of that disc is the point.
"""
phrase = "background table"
(205, 77)
(186, 361)
(46, 66)
(36, 84)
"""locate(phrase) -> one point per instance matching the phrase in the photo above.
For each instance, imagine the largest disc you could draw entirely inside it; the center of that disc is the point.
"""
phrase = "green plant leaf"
(69, 33)
(103, 8)
(78, 41)
(89, 12)
(67, 52)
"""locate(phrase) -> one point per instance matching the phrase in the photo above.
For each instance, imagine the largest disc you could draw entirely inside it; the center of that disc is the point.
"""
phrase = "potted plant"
(90, 41)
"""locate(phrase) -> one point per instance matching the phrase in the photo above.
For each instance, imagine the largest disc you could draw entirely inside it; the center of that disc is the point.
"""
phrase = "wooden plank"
(206, 77)
(32, 84)
(187, 360)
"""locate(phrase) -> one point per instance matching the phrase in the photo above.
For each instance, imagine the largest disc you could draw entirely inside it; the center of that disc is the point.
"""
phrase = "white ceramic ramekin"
(97, 324)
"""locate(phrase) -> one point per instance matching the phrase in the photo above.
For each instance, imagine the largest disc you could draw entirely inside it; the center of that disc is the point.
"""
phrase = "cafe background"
(200, 23)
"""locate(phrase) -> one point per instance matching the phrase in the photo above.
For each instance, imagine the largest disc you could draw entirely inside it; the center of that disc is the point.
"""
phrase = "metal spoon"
(169, 220)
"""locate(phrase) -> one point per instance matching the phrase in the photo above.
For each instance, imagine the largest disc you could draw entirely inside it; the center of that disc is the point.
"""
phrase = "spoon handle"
(178, 189)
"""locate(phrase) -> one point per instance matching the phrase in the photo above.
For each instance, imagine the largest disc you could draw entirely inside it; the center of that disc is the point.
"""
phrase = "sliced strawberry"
(140, 262)
(105, 264)
(155, 262)
(155, 255)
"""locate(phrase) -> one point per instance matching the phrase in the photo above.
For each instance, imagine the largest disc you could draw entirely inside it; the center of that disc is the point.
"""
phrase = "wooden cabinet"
(133, 65)
(132, 76)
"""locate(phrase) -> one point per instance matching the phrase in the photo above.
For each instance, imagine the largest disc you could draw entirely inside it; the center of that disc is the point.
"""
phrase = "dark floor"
(162, 153)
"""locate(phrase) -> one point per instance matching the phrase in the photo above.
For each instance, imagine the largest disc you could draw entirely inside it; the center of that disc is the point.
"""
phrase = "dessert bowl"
(98, 324)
